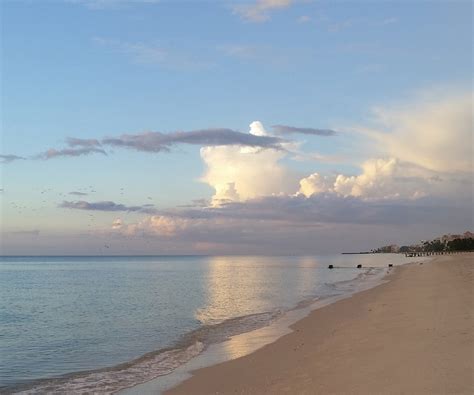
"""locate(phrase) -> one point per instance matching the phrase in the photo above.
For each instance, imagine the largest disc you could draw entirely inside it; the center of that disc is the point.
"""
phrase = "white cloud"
(315, 184)
(382, 179)
(155, 225)
(261, 9)
(241, 173)
(434, 132)
(424, 149)
(117, 224)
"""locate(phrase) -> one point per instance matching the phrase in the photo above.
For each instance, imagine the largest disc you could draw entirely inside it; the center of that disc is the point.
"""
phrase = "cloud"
(382, 179)
(76, 142)
(260, 10)
(34, 232)
(155, 54)
(10, 158)
(76, 193)
(140, 52)
(106, 206)
(158, 225)
(293, 222)
(110, 4)
(315, 184)
(389, 21)
(240, 173)
(336, 27)
(284, 129)
(434, 131)
(54, 153)
(242, 51)
(157, 141)
(304, 19)
(117, 224)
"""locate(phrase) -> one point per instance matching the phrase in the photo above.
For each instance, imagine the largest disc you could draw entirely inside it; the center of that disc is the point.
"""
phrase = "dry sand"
(412, 335)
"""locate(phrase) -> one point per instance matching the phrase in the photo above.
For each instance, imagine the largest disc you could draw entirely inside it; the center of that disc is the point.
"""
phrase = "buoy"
(359, 266)
(330, 267)
(390, 265)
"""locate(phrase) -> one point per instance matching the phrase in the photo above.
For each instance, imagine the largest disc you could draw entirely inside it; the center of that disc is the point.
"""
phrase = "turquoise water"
(64, 315)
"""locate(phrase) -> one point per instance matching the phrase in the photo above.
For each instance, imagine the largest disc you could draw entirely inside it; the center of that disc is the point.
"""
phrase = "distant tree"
(461, 244)
(434, 245)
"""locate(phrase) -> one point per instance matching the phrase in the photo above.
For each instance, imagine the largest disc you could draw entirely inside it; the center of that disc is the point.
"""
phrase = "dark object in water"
(330, 267)
(390, 265)
(421, 263)
(359, 266)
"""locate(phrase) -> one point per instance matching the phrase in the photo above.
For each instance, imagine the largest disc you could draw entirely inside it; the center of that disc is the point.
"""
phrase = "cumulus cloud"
(284, 129)
(157, 141)
(156, 225)
(117, 224)
(260, 10)
(10, 158)
(387, 179)
(425, 150)
(106, 206)
(434, 132)
(315, 184)
(240, 173)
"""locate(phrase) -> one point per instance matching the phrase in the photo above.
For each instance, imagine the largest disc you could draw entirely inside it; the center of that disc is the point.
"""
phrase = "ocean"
(102, 324)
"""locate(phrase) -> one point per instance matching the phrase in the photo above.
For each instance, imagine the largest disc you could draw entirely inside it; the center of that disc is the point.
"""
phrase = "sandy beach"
(411, 335)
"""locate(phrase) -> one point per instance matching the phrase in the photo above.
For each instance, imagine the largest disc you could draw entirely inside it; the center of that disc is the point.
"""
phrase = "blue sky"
(92, 69)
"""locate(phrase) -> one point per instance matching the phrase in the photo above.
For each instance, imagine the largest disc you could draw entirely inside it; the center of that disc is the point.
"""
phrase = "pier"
(430, 253)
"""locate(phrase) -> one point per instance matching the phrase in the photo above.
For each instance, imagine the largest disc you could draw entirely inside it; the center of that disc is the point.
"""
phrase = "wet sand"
(412, 335)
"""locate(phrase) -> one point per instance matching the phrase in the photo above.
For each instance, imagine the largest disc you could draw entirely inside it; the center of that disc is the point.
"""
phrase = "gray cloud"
(76, 142)
(296, 224)
(54, 153)
(76, 193)
(10, 158)
(34, 232)
(284, 129)
(106, 206)
(157, 141)
(330, 208)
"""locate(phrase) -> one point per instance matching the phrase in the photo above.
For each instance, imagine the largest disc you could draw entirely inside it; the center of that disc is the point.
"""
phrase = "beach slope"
(414, 334)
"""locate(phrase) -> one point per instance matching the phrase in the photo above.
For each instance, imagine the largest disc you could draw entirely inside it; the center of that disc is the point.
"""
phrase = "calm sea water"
(101, 315)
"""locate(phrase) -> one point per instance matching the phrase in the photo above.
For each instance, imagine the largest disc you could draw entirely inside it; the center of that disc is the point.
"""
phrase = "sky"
(227, 127)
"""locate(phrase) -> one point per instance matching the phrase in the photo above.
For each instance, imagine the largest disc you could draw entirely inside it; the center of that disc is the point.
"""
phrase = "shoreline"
(248, 342)
(411, 334)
